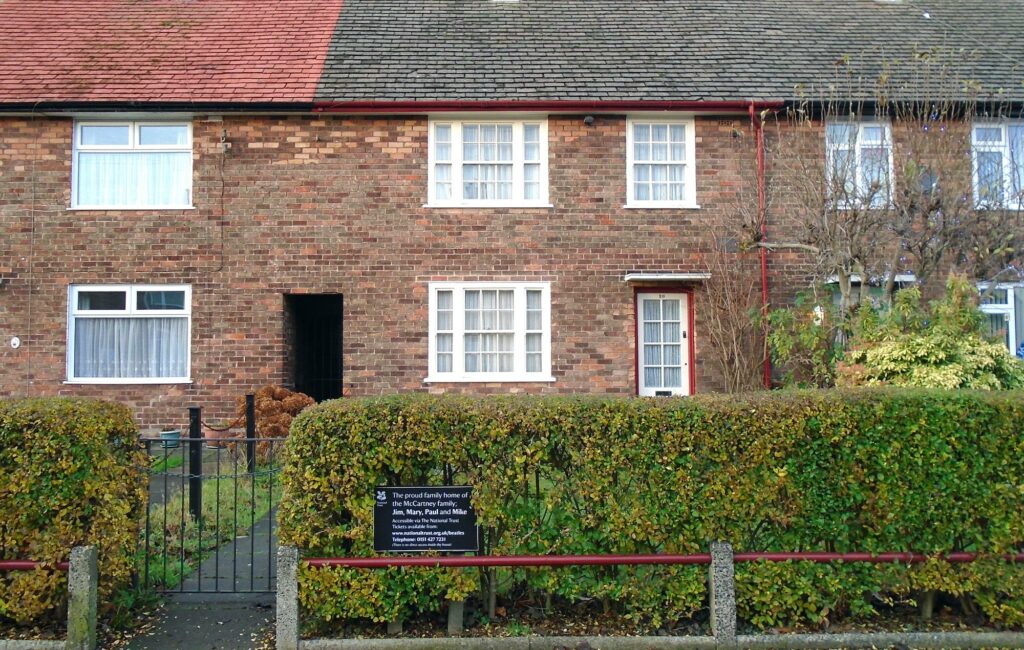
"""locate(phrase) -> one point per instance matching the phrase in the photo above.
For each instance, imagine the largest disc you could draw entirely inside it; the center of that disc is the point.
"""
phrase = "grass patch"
(178, 543)
(164, 463)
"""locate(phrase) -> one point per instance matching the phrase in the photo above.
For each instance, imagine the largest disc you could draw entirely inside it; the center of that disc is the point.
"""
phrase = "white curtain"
(134, 179)
(131, 347)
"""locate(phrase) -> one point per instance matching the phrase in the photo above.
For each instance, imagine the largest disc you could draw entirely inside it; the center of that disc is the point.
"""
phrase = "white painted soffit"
(666, 277)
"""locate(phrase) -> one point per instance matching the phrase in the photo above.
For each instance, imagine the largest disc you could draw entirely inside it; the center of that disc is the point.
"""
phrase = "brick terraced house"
(199, 197)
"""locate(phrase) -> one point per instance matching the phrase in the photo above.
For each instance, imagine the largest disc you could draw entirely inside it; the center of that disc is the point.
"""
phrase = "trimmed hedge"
(842, 470)
(69, 475)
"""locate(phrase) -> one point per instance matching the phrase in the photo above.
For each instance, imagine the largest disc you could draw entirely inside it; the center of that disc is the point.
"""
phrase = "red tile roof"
(229, 51)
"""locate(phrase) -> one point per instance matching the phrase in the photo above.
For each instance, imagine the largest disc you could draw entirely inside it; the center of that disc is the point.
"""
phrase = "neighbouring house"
(199, 197)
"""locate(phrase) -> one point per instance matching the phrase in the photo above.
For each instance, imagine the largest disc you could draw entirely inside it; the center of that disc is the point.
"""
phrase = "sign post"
(422, 519)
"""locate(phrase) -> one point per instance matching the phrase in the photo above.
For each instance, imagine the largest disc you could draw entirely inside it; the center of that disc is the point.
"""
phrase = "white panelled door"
(663, 346)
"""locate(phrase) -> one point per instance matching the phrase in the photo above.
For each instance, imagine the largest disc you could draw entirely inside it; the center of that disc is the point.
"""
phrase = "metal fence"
(210, 512)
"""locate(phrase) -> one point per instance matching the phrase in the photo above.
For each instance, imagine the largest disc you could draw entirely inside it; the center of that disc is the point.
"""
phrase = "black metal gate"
(210, 521)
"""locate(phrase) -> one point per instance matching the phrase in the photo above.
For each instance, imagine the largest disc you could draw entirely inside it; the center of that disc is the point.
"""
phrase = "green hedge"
(857, 470)
(69, 475)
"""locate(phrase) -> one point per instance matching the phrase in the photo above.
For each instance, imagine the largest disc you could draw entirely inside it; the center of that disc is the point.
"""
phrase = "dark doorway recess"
(315, 334)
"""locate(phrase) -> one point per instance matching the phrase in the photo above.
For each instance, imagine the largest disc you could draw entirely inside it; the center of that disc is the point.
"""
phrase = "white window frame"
(849, 203)
(518, 163)
(1006, 150)
(689, 165)
(1006, 309)
(130, 311)
(684, 343)
(518, 373)
(134, 127)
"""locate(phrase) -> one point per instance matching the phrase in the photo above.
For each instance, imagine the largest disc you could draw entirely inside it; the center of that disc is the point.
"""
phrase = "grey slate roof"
(655, 49)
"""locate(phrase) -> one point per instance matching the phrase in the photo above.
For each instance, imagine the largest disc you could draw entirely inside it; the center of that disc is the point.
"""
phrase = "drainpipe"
(762, 216)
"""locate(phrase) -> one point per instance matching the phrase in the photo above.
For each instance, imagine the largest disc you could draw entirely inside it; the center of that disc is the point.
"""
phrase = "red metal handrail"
(609, 560)
(27, 565)
(507, 560)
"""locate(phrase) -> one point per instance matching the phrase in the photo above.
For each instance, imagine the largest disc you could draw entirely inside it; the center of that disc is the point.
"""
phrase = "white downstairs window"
(492, 163)
(998, 152)
(129, 334)
(490, 331)
(1003, 307)
(132, 165)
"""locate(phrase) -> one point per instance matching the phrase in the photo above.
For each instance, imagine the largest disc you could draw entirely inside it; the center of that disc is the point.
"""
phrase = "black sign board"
(416, 519)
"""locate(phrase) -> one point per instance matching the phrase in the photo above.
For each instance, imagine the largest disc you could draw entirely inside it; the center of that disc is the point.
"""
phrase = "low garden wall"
(843, 470)
(70, 475)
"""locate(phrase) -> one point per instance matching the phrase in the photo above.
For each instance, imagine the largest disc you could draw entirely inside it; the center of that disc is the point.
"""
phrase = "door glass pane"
(652, 333)
(652, 309)
(671, 332)
(652, 377)
(670, 309)
(652, 355)
(673, 377)
(671, 355)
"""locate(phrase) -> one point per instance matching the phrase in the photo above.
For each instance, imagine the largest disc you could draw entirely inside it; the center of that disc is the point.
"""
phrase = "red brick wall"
(334, 205)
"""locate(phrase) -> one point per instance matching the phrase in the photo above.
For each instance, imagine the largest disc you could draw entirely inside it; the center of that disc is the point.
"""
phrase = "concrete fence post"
(287, 598)
(83, 586)
(723, 595)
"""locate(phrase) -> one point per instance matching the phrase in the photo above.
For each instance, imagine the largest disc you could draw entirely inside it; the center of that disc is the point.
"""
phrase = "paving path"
(224, 620)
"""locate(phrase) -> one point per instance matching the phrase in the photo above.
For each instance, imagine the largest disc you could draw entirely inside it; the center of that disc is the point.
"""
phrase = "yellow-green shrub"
(69, 475)
(845, 470)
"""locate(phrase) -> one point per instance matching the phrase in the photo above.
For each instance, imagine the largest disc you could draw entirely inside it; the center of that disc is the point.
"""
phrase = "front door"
(663, 346)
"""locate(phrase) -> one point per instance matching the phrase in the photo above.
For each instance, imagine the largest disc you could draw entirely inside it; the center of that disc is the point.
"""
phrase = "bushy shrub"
(276, 407)
(844, 470)
(69, 475)
(940, 347)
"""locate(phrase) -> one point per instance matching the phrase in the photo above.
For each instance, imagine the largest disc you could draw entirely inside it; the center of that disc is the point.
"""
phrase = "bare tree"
(878, 175)
(731, 306)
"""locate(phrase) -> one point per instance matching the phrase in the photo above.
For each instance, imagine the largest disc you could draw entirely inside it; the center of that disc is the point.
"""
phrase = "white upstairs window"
(858, 163)
(660, 164)
(998, 153)
(132, 165)
(129, 334)
(490, 331)
(492, 163)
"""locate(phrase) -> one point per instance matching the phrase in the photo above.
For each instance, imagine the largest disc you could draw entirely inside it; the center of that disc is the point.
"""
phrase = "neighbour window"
(660, 169)
(488, 163)
(132, 165)
(490, 331)
(1003, 307)
(858, 163)
(129, 334)
(999, 164)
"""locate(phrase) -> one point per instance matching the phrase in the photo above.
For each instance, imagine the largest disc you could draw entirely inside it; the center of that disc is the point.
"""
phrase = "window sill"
(488, 379)
(128, 381)
(661, 206)
(517, 206)
(128, 208)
